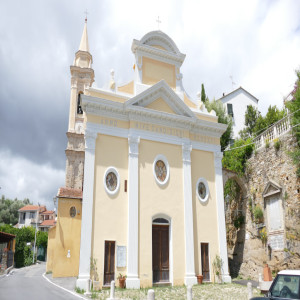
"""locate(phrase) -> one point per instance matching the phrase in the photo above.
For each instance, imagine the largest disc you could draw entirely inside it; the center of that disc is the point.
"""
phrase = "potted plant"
(217, 268)
(94, 275)
(122, 281)
(199, 279)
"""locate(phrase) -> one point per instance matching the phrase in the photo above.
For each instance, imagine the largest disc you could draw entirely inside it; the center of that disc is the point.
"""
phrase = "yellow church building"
(144, 192)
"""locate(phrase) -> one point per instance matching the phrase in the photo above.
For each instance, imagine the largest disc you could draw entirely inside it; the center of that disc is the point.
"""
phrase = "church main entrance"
(160, 250)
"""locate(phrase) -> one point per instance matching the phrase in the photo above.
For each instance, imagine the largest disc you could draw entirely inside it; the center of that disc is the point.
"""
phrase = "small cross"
(86, 13)
(158, 21)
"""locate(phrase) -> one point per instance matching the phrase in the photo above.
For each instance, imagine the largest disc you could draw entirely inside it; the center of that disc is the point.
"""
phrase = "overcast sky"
(255, 42)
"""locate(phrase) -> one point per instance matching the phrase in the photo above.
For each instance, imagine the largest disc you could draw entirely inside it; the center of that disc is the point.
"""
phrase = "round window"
(111, 181)
(202, 190)
(73, 211)
(161, 170)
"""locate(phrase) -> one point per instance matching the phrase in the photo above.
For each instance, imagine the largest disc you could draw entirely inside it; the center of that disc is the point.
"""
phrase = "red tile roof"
(47, 212)
(48, 223)
(69, 193)
(29, 207)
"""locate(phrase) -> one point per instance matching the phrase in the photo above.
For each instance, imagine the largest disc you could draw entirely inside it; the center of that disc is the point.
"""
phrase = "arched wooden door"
(160, 251)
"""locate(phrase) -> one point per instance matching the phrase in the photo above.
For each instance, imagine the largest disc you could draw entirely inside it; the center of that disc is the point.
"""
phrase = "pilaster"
(133, 281)
(221, 215)
(87, 210)
(190, 278)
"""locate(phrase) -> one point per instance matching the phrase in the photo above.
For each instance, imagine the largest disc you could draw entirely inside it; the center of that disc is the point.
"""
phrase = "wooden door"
(205, 261)
(109, 262)
(160, 253)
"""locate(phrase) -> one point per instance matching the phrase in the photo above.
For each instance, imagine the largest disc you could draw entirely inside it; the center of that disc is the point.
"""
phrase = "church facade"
(144, 191)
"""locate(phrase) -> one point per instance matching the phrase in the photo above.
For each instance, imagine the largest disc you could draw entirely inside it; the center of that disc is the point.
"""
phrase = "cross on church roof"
(158, 21)
(86, 13)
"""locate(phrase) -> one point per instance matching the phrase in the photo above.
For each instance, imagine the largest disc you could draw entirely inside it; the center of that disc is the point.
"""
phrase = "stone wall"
(269, 172)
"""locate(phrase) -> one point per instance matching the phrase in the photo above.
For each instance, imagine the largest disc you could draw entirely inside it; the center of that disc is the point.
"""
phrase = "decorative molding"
(186, 152)
(218, 159)
(133, 142)
(90, 139)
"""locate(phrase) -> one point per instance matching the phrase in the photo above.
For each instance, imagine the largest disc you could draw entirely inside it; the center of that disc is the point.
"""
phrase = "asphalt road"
(28, 283)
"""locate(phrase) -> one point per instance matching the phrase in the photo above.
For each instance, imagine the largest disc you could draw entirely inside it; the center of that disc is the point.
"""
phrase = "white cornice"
(108, 93)
(126, 111)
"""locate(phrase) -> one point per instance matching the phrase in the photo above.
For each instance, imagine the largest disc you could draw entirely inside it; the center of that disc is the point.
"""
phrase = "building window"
(111, 181)
(161, 169)
(24, 215)
(72, 211)
(230, 109)
(32, 215)
(202, 190)
(79, 109)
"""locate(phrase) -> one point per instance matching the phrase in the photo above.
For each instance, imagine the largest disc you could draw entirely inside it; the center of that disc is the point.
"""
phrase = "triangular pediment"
(162, 98)
(271, 188)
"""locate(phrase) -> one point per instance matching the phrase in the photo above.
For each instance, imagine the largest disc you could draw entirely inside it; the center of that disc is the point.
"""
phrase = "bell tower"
(82, 77)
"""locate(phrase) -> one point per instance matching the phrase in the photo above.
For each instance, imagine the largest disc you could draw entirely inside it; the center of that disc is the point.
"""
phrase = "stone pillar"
(112, 291)
(87, 211)
(151, 295)
(221, 215)
(190, 278)
(189, 293)
(132, 280)
(249, 288)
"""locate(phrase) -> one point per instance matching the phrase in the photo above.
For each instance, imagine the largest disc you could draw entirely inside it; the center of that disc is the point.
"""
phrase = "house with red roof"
(36, 216)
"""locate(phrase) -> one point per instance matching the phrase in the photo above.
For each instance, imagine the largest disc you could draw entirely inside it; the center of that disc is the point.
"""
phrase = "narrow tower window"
(79, 109)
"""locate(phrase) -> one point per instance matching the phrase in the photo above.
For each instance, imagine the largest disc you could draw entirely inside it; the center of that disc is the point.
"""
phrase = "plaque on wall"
(121, 256)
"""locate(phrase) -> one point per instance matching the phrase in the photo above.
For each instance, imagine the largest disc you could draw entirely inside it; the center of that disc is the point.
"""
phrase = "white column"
(221, 215)
(132, 280)
(190, 277)
(87, 211)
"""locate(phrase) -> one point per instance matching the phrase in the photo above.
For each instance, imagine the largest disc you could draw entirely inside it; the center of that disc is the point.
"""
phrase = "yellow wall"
(110, 212)
(160, 105)
(167, 200)
(154, 71)
(128, 88)
(205, 215)
(50, 248)
(67, 237)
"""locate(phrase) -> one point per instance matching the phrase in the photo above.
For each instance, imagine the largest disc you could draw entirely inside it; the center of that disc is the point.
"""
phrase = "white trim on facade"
(190, 278)
(115, 171)
(221, 215)
(133, 281)
(87, 210)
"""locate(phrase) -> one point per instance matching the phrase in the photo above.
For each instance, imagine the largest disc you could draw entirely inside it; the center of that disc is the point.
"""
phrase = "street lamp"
(36, 220)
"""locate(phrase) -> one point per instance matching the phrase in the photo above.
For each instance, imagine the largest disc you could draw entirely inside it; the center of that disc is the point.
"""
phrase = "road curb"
(73, 293)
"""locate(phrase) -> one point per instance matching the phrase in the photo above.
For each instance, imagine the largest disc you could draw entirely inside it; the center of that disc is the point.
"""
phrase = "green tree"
(42, 239)
(23, 236)
(203, 95)
(235, 159)
(9, 210)
(294, 108)
(224, 118)
(251, 117)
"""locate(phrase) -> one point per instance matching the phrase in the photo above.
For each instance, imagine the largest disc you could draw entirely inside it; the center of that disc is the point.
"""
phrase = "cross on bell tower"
(158, 22)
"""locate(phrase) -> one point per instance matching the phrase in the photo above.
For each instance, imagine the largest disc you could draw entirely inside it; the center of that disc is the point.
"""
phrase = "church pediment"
(271, 188)
(162, 98)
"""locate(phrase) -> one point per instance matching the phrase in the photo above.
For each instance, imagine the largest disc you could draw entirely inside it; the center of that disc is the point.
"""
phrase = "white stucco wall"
(239, 99)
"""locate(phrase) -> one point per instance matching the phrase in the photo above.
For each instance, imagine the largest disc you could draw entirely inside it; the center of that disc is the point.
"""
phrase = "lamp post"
(36, 220)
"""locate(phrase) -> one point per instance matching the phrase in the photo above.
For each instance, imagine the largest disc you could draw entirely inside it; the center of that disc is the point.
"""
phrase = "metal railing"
(275, 131)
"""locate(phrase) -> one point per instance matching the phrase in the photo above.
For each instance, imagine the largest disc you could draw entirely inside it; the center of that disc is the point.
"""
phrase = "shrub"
(277, 144)
(258, 214)
(239, 221)
(267, 144)
(263, 235)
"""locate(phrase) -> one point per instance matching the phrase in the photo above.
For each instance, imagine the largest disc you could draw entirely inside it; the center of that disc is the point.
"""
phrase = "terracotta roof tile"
(47, 212)
(48, 223)
(70, 193)
(29, 207)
